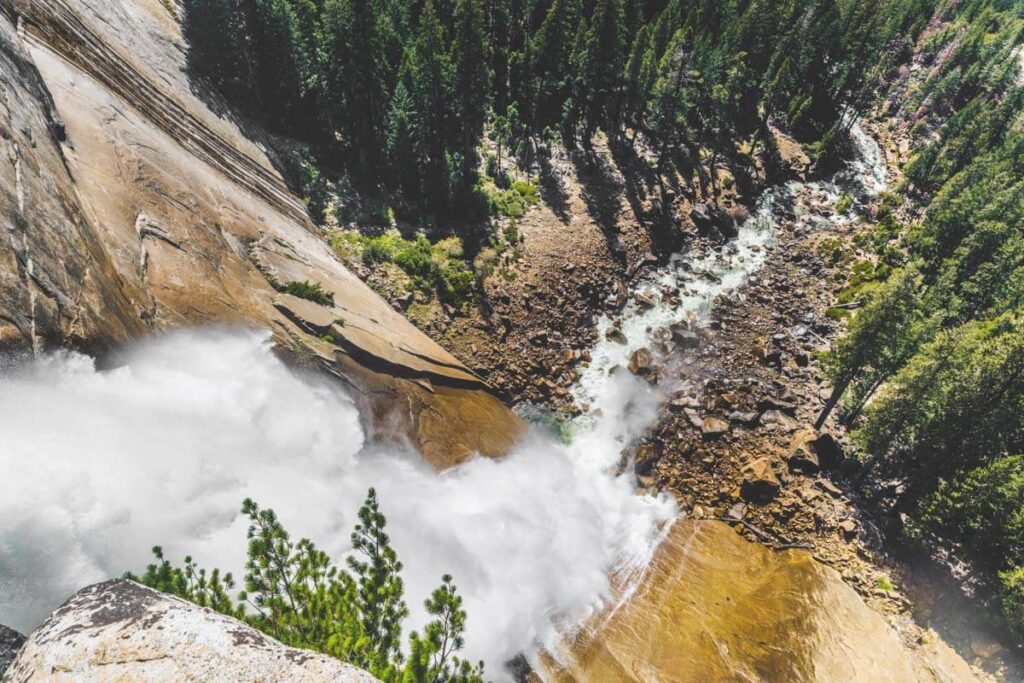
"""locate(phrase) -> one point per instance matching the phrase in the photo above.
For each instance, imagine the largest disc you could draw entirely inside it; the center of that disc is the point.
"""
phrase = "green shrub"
(417, 260)
(313, 291)
(844, 204)
(511, 233)
(380, 249)
(431, 267)
(354, 613)
(511, 203)
(1011, 596)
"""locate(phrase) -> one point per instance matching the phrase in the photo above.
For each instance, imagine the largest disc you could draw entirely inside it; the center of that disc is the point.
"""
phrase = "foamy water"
(685, 290)
(97, 467)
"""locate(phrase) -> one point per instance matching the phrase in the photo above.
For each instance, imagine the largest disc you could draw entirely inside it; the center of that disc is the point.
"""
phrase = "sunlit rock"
(715, 607)
(122, 631)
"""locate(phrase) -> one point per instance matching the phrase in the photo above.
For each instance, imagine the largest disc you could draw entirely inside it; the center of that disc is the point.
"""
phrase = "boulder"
(713, 427)
(122, 631)
(645, 455)
(778, 420)
(641, 362)
(710, 218)
(10, 643)
(615, 335)
(170, 214)
(760, 484)
(686, 339)
(810, 452)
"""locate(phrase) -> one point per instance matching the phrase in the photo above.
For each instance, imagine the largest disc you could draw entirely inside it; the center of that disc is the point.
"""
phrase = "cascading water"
(96, 467)
(685, 289)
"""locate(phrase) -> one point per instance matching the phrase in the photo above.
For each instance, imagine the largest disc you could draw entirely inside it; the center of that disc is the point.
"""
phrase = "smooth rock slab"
(122, 631)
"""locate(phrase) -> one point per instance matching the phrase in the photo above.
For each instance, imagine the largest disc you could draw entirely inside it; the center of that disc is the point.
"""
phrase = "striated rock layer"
(129, 206)
(122, 631)
(715, 607)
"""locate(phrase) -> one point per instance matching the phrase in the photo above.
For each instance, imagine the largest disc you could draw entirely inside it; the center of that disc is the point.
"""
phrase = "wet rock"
(713, 427)
(10, 642)
(122, 631)
(615, 335)
(710, 219)
(645, 301)
(645, 455)
(760, 483)
(641, 362)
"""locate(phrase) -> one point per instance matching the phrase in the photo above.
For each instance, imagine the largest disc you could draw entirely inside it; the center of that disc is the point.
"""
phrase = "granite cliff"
(130, 206)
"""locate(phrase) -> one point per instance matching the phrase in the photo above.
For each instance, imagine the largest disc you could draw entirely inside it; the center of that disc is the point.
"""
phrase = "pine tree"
(295, 593)
(550, 52)
(279, 71)
(219, 47)
(356, 78)
(430, 73)
(471, 80)
(403, 142)
(376, 568)
(599, 67)
(641, 70)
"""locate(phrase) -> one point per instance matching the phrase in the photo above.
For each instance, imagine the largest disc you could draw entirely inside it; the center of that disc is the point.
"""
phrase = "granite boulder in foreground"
(122, 631)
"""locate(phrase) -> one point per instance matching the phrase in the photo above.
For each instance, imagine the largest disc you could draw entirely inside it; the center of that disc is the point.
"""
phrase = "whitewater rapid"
(96, 467)
(685, 289)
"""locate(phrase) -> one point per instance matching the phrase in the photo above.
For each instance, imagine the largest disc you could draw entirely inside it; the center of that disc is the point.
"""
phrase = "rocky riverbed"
(730, 333)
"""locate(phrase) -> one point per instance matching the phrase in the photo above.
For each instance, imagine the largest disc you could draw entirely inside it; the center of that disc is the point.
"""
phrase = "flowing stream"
(96, 467)
(685, 289)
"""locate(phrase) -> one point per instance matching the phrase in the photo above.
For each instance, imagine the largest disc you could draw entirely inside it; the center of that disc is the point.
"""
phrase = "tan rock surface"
(143, 210)
(122, 631)
(715, 607)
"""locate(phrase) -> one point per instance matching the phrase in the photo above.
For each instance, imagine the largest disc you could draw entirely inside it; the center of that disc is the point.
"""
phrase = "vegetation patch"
(512, 202)
(438, 267)
(297, 595)
(311, 291)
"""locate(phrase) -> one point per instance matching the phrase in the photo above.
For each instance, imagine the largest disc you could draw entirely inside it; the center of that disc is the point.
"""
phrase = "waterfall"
(98, 466)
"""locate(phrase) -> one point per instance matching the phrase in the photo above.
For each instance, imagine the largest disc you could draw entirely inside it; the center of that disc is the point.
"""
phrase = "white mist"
(97, 467)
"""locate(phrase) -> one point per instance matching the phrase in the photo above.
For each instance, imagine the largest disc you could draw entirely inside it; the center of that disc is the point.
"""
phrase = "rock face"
(122, 631)
(10, 642)
(715, 607)
(129, 207)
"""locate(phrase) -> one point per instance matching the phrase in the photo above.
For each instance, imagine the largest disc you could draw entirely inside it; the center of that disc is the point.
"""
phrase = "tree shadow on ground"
(552, 191)
(602, 192)
(651, 205)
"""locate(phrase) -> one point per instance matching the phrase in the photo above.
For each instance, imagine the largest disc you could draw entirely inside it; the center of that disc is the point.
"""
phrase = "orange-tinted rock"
(715, 607)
